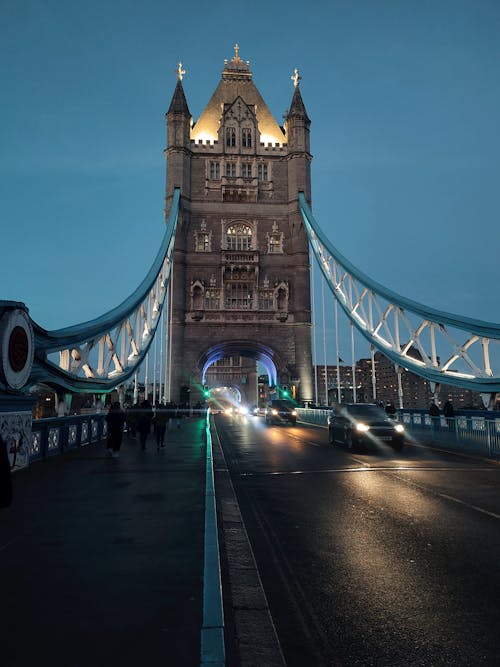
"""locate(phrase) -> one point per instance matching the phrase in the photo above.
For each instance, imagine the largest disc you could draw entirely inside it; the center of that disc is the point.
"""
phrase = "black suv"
(364, 424)
(280, 411)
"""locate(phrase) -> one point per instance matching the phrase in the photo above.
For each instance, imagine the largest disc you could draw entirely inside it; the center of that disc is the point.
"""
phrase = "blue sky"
(404, 99)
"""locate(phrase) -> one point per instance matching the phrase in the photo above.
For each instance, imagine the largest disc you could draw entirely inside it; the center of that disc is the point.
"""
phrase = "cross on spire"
(236, 52)
(180, 71)
(295, 77)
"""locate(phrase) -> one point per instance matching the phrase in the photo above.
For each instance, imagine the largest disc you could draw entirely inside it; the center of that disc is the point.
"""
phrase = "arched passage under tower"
(235, 364)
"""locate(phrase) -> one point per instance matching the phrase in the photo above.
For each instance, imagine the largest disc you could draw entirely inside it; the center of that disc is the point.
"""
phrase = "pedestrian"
(5, 476)
(448, 409)
(145, 417)
(434, 413)
(449, 413)
(390, 409)
(160, 425)
(131, 417)
(115, 420)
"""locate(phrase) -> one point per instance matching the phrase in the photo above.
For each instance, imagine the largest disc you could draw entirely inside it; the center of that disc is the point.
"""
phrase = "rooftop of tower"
(236, 82)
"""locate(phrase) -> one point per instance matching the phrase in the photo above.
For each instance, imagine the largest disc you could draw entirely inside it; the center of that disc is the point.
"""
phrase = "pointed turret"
(178, 139)
(298, 134)
(179, 103)
(297, 120)
(297, 107)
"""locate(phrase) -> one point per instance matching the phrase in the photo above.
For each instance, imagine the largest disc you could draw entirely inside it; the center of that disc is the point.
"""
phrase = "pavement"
(102, 560)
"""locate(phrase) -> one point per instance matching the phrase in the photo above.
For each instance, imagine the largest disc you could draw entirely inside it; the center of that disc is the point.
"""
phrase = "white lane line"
(368, 468)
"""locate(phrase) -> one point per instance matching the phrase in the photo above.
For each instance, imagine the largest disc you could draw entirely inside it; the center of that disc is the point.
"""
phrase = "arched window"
(239, 237)
(282, 299)
(197, 297)
(246, 137)
(230, 136)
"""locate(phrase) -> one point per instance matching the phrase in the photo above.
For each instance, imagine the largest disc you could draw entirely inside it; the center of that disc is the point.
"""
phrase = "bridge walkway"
(101, 559)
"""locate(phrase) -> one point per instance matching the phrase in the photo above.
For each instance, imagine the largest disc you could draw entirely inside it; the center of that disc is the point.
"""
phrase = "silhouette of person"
(145, 417)
(160, 424)
(390, 409)
(115, 419)
(434, 413)
(448, 409)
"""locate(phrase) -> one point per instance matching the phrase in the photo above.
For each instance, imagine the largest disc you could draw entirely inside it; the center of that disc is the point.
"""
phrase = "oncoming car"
(362, 425)
(280, 411)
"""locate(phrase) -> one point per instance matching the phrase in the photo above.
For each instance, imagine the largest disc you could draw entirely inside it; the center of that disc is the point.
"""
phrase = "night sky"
(404, 99)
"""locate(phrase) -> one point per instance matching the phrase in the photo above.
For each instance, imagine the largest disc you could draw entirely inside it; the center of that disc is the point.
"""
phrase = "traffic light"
(285, 392)
(206, 392)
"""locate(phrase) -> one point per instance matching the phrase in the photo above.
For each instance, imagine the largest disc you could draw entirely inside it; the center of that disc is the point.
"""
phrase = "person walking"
(435, 415)
(131, 417)
(115, 420)
(160, 425)
(449, 413)
(145, 417)
(448, 409)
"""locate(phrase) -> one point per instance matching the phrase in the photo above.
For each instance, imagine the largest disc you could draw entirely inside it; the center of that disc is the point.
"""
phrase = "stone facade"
(241, 263)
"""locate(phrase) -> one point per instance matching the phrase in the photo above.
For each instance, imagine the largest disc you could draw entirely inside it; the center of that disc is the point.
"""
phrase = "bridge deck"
(101, 560)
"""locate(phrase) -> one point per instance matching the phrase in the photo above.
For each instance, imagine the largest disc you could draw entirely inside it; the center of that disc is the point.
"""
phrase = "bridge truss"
(101, 354)
(441, 347)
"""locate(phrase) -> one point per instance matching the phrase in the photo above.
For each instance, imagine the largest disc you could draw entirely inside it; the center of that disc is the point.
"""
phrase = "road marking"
(368, 468)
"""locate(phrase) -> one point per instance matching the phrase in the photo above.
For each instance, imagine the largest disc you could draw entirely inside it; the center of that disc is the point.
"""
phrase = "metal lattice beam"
(441, 347)
(101, 354)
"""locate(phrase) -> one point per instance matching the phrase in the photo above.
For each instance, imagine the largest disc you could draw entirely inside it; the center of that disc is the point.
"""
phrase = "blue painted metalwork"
(73, 340)
(352, 288)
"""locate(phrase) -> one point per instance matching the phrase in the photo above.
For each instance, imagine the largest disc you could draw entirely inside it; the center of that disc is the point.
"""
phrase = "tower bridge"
(230, 286)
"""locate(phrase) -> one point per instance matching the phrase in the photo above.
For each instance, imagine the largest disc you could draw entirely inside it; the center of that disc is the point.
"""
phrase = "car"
(363, 425)
(280, 411)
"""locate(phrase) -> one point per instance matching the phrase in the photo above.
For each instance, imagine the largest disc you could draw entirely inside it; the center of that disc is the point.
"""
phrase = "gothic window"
(246, 137)
(275, 240)
(214, 170)
(246, 169)
(212, 299)
(266, 299)
(230, 169)
(230, 136)
(239, 237)
(275, 245)
(262, 172)
(203, 239)
(238, 296)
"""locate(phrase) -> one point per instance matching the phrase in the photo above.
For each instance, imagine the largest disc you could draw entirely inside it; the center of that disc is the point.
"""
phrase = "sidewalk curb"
(256, 637)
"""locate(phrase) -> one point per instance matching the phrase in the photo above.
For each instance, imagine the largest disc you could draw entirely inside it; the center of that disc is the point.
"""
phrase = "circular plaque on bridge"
(17, 347)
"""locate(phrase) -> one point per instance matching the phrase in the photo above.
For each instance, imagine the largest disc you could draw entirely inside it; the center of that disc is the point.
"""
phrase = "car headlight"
(274, 412)
(243, 411)
(399, 428)
(294, 413)
(362, 427)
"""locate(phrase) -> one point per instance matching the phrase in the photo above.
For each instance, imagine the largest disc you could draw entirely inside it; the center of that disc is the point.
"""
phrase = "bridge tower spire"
(241, 265)
(297, 127)
(178, 151)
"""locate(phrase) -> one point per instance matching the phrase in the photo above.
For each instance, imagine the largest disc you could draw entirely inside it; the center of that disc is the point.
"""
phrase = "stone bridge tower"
(241, 291)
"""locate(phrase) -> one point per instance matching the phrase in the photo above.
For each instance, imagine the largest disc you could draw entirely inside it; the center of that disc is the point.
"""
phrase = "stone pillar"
(16, 362)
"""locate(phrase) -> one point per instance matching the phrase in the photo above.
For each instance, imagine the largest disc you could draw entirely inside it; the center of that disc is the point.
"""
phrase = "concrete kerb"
(256, 639)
